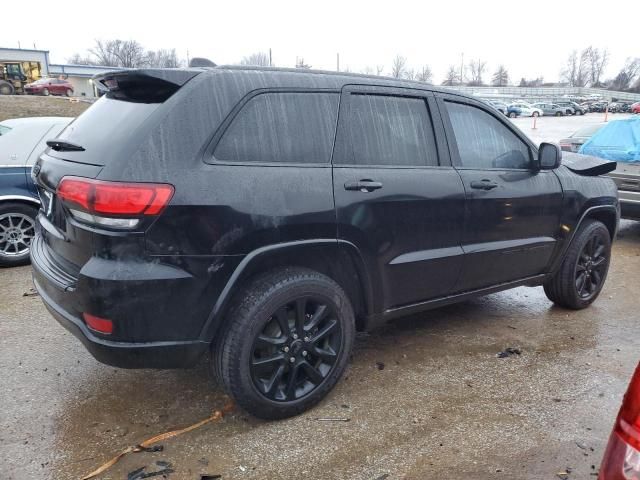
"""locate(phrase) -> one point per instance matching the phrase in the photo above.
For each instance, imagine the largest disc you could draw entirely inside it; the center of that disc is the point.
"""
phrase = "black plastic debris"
(509, 352)
(206, 476)
(380, 365)
(140, 473)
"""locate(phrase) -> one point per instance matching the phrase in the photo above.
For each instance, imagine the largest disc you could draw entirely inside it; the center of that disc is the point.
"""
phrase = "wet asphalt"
(425, 397)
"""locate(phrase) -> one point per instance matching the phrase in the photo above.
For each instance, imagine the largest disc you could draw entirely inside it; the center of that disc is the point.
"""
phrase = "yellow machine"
(15, 75)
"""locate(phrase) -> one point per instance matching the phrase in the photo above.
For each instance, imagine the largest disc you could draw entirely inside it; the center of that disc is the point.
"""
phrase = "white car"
(22, 140)
(528, 110)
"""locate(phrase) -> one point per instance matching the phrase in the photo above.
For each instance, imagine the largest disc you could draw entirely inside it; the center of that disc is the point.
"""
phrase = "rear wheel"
(17, 229)
(581, 276)
(512, 115)
(6, 88)
(69, 92)
(558, 114)
(287, 343)
(534, 114)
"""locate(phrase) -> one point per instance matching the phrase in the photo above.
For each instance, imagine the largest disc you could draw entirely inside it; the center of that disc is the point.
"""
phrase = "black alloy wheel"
(591, 267)
(296, 350)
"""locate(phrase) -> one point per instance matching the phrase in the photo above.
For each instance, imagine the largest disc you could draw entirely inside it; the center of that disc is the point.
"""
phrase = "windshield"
(42, 80)
(587, 131)
(4, 129)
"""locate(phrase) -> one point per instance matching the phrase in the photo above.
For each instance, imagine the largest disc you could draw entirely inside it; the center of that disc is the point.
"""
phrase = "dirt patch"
(18, 106)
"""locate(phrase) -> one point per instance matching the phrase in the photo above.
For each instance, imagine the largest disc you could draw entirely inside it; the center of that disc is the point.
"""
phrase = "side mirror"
(549, 156)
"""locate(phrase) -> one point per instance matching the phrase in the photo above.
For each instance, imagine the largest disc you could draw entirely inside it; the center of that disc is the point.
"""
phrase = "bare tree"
(398, 66)
(536, 82)
(104, 53)
(597, 62)
(164, 59)
(576, 73)
(452, 77)
(627, 75)
(119, 53)
(500, 77)
(409, 74)
(77, 59)
(379, 69)
(425, 75)
(477, 68)
(258, 59)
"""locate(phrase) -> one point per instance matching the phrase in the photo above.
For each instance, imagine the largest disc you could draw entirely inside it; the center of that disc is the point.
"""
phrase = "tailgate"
(627, 177)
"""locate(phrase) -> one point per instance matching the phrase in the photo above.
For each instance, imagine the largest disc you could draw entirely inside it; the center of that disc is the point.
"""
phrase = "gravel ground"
(443, 406)
(18, 106)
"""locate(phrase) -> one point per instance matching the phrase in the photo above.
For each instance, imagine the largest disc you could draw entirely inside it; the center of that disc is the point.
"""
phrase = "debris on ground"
(581, 445)
(382, 477)
(147, 445)
(207, 476)
(380, 365)
(509, 352)
(31, 293)
(164, 469)
(331, 419)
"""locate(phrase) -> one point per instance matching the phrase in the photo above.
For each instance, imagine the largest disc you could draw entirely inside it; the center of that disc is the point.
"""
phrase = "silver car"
(550, 108)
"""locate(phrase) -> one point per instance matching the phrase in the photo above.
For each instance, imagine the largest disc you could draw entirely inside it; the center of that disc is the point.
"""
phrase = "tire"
(535, 114)
(570, 112)
(558, 114)
(45, 92)
(512, 115)
(17, 227)
(580, 112)
(594, 242)
(69, 92)
(6, 88)
(252, 356)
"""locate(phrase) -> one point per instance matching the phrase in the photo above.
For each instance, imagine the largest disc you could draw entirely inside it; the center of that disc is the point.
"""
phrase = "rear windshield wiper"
(62, 146)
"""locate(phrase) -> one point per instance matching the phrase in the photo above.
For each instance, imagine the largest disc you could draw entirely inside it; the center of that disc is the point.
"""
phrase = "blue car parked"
(21, 142)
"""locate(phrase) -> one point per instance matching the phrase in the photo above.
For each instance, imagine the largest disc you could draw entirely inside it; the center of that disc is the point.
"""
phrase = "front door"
(512, 215)
(397, 197)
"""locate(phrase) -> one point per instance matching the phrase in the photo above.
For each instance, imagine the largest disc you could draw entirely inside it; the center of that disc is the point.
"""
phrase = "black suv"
(571, 108)
(266, 215)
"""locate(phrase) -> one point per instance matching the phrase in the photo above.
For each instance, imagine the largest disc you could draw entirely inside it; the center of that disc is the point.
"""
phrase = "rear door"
(512, 215)
(397, 197)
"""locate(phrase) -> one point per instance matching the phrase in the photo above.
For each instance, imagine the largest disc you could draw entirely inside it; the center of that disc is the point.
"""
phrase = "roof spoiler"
(143, 85)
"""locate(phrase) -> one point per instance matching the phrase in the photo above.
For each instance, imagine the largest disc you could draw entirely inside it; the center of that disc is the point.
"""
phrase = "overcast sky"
(531, 38)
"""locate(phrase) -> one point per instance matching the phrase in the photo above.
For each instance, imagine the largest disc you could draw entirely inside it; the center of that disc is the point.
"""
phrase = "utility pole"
(270, 64)
(461, 67)
(188, 57)
(337, 62)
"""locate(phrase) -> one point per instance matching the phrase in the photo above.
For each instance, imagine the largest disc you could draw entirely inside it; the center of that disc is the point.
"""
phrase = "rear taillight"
(622, 458)
(113, 204)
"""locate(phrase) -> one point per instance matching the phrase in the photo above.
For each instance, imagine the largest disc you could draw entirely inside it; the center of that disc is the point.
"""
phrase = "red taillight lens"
(621, 460)
(115, 198)
(100, 325)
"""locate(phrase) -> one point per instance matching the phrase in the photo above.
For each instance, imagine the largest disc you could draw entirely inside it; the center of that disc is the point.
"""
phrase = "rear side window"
(282, 127)
(393, 131)
(483, 141)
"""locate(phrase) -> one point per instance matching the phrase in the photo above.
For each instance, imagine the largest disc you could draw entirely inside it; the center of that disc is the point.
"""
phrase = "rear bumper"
(137, 316)
(629, 204)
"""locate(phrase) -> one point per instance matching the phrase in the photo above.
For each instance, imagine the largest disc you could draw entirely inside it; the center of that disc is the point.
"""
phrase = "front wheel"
(581, 276)
(17, 229)
(69, 92)
(513, 115)
(534, 114)
(287, 342)
(45, 92)
(6, 88)
(558, 114)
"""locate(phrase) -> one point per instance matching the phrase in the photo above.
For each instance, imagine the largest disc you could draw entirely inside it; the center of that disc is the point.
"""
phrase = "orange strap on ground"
(217, 415)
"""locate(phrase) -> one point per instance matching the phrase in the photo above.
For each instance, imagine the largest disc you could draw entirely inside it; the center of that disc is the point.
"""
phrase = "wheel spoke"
(274, 381)
(580, 268)
(580, 282)
(326, 330)
(266, 341)
(290, 390)
(301, 314)
(325, 354)
(317, 317)
(599, 262)
(597, 277)
(599, 251)
(312, 373)
(261, 364)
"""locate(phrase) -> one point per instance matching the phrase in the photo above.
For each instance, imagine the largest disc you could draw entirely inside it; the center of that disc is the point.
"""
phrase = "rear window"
(281, 127)
(4, 129)
(102, 127)
(587, 131)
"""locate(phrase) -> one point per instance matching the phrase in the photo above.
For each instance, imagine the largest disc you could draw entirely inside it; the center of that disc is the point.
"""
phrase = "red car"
(621, 460)
(635, 108)
(49, 86)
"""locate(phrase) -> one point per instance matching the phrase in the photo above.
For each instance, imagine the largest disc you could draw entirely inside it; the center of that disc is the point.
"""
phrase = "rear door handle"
(484, 184)
(363, 186)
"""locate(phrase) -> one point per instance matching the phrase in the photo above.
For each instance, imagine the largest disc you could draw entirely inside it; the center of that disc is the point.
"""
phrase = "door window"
(388, 130)
(282, 127)
(485, 142)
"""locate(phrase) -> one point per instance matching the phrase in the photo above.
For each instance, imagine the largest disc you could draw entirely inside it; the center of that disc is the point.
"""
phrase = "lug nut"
(306, 339)
(295, 336)
(304, 353)
(292, 359)
(286, 349)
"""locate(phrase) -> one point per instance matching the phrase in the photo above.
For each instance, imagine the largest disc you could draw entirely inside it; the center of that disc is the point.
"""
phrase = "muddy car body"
(277, 211)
